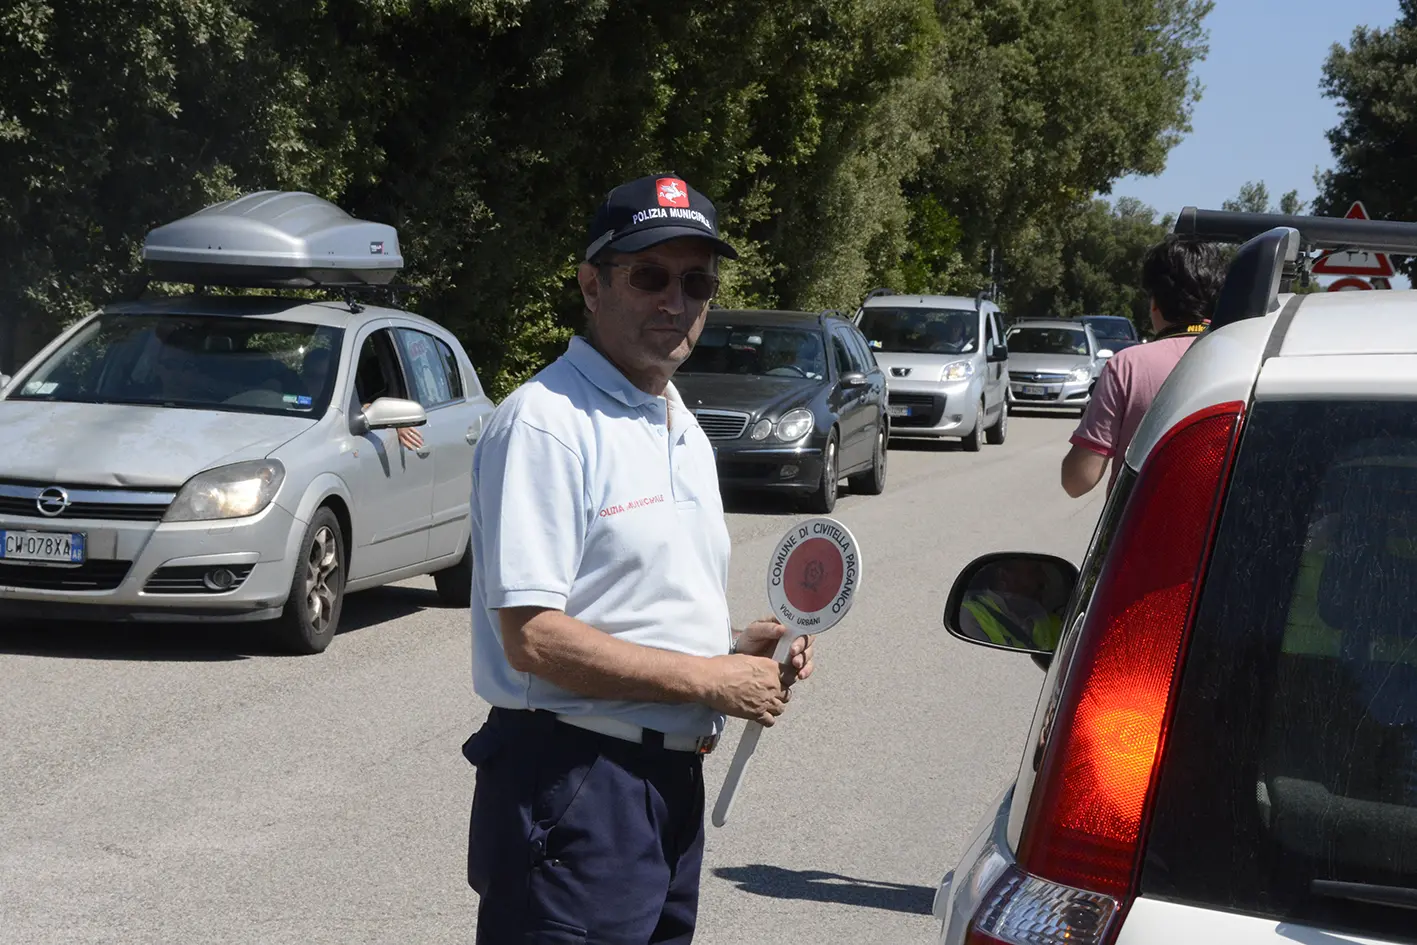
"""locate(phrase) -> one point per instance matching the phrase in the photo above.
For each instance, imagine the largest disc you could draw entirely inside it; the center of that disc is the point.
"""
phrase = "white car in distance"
(236, 457)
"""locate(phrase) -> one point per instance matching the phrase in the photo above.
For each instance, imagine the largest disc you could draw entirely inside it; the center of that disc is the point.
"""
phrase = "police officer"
(601, 632)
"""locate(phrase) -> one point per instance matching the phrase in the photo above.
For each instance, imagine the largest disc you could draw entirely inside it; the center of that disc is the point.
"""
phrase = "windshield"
(921, 330)
(212, 362)
(1290, 784)
(1112, 329)
(1047, 341)
(767, 351)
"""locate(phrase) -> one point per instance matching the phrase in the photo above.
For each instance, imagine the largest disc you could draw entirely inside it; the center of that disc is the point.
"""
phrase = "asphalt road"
(182, 785)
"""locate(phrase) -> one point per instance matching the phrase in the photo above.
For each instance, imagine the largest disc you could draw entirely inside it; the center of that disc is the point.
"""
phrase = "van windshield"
(921, 330)
(209, 362)
(1289, 787)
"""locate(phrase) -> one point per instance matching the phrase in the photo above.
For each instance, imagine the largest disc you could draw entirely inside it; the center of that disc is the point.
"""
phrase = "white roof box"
(273, 239)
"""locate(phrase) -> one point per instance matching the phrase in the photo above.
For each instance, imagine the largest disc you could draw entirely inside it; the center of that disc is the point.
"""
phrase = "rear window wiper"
(1400, 896)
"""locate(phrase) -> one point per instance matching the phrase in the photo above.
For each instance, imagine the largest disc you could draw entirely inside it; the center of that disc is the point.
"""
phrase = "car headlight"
(761, 429)
(1078, 375)
(957, 371)
(234, 491)
(794, 425)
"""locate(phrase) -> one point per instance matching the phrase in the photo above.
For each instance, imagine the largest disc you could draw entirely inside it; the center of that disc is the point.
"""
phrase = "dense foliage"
(848, 143)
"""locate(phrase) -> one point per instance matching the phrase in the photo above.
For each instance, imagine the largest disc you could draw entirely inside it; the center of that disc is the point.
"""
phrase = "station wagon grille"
(1039, 377)
(53, 502)
(722, 424)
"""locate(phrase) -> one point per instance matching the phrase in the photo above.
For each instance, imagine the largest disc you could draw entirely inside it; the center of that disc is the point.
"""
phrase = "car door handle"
(474, 432)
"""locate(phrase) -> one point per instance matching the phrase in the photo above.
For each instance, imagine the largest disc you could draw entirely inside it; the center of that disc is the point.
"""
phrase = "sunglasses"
(650, 277)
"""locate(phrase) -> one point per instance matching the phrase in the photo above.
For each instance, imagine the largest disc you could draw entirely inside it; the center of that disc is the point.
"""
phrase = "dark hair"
(1184, 276)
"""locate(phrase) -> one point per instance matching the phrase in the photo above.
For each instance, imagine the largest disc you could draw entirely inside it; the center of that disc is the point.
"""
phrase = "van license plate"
(1035, 391)
(898, 411)
(47, 547)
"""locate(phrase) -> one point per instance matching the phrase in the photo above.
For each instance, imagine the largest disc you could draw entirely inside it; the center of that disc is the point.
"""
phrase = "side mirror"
(997, 354)
(1012, 601)
(1105, 353)
(853, 379)
(386, 413)
(4, 381)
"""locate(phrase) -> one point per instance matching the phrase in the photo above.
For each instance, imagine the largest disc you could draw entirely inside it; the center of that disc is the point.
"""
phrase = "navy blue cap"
(650, 211)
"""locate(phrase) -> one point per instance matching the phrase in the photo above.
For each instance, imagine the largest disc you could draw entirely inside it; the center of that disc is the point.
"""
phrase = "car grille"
(1030, 377)
(90, 576)
(21, 500)
(722, 424)
(927, 409)
(188, 579)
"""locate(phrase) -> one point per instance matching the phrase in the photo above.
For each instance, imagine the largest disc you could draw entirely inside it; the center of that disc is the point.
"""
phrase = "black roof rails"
(1252, 285)
(1337, 234)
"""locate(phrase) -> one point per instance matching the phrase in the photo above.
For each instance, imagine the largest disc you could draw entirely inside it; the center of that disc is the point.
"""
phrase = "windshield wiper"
(1400, 896)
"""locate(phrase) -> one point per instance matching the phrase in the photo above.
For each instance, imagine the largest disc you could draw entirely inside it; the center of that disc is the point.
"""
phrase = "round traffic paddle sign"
(813, 576)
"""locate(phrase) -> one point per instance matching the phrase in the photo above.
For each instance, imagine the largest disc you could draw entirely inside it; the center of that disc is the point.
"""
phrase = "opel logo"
(52, 501)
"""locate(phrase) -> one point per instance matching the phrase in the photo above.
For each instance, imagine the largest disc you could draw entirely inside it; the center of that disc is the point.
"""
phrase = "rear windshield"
(231, 363)
(1289, 789)
(921, 330)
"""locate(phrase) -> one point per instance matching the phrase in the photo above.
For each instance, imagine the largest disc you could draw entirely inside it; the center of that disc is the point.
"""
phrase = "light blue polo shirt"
(593, 497)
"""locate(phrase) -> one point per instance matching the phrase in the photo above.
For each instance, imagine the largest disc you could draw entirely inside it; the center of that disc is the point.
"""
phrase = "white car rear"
(1225, 749)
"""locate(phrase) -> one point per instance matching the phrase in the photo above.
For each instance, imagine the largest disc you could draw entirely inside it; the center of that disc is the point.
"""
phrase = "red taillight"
(1081, 842)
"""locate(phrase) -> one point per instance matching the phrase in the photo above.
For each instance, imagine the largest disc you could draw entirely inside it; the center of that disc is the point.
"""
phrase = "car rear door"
(1286, 806)
(855, 406)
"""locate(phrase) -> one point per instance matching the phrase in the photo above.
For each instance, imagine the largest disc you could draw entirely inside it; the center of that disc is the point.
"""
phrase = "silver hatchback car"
(241, 458)
(1053, 362)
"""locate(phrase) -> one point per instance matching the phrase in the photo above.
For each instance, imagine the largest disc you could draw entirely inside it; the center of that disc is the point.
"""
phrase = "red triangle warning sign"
(1357, 263)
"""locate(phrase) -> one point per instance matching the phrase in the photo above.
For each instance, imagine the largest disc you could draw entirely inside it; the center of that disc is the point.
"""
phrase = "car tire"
(312, 611)
(455, 584)
(976, 436)
(873, 480)
(824, 499)
(996, 434)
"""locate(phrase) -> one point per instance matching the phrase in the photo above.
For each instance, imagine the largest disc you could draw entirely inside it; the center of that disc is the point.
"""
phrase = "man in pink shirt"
(1183, 279)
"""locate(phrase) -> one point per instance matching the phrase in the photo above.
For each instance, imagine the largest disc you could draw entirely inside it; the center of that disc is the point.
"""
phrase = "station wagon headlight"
(234, 491)
(957, 371)
(1078, 375)
(761, 429)
(794, 425)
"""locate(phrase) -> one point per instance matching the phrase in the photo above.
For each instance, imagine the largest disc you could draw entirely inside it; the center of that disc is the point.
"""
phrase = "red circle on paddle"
(812, 577)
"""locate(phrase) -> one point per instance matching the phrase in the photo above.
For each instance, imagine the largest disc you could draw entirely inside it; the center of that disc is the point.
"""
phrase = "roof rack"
(274, 240)
(1275, 248)
(1337, 234)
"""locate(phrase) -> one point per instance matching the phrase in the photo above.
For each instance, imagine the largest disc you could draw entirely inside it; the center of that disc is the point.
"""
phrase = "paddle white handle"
(747, 744)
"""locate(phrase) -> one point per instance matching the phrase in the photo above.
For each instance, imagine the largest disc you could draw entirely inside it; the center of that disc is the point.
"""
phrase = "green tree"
(1254, 198)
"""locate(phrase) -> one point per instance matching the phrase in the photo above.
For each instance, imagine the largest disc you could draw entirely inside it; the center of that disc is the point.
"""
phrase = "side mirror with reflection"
(1012, 601)
(853, 379)
(997, 354)
(388, 413)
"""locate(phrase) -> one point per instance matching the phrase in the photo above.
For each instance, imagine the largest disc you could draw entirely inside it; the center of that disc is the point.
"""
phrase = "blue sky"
(1261, 115)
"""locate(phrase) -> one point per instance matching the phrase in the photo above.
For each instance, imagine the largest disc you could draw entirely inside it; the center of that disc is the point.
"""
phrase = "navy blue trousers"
(577, 837)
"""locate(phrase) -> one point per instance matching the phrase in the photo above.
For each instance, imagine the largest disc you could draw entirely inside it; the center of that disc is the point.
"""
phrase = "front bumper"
(1050, 393)
(779, 468)
(932, 409)
(150, 571)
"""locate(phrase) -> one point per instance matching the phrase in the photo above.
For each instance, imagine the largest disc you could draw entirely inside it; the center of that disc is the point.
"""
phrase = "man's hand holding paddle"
(750, 684)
